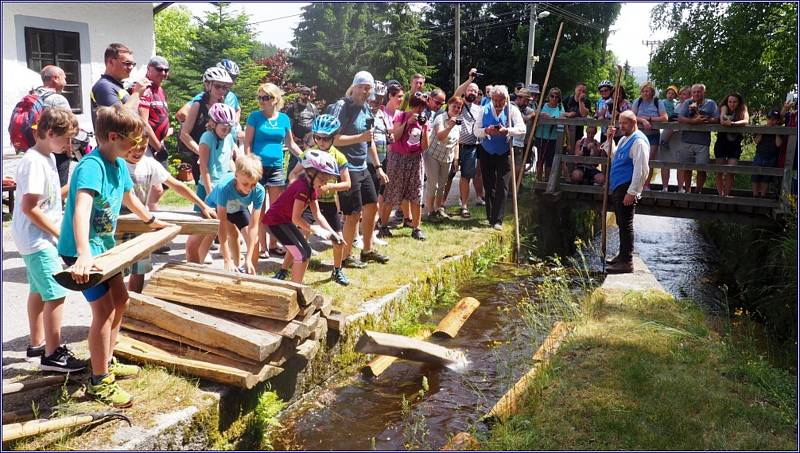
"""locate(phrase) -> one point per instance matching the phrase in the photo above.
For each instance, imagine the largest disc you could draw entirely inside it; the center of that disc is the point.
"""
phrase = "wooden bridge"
(740, 207)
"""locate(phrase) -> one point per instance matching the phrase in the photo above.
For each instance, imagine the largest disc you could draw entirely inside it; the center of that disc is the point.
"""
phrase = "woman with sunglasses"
(546, 134)
(268, 130)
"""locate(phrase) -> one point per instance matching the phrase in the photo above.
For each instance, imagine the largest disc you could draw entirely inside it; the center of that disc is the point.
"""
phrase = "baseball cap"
(534, 88)
(774, 114)
(363, 78)
(158, 62)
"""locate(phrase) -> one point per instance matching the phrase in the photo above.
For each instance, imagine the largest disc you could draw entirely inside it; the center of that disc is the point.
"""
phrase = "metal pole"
(457, 53)
(531, 40)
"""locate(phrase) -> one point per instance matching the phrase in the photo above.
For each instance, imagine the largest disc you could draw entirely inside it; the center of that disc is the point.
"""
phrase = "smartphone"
(790, 96)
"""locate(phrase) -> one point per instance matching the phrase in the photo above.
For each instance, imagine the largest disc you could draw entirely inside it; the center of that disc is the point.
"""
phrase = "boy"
(232, 198)
(100, 184)
(35, 227)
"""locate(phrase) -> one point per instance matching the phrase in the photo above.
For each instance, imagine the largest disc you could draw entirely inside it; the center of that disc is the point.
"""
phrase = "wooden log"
(115, 260)
(287, 349)
(18, 416)
(320, 332)
(202, 328)
(377, 366)
(189, 221)
(141, 352)
(305, 294)
(406, 348)
(336, 320)
(225, 292)
(295, 328)
(450, 325)
(324, 304)
(31, 384)
(309, 349)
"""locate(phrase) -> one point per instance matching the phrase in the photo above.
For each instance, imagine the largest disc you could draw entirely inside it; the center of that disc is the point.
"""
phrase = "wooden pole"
(517, 245)
(19, 430)
(541, 103)
(604, 212)
(31, 384)
(406, 348)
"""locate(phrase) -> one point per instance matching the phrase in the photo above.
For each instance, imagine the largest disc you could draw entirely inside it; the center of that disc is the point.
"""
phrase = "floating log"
(189, 221)
(115, 260)
(306, 295)
(233, 292)
(508, 405)
(462, 442)
(31, 384)
(295, 328)
(202, 328)
(377, 366)
(450, 325)
(406, 348)
(141, 352)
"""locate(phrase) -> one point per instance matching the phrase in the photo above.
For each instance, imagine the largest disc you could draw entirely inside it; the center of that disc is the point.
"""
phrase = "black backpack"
(197, 129)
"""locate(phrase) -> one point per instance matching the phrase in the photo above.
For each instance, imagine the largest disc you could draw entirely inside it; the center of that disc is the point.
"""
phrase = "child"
(285, 216)
(100, 184)
(323, 131)
(146, 173)
(767, 150)
(588, 146)
(35, 227)
(232, 198)
(217, 146)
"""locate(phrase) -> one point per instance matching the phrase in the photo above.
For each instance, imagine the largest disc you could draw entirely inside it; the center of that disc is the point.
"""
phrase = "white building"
(74, 37)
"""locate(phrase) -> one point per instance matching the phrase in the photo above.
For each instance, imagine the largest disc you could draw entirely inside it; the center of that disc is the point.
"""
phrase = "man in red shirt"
(154, 111)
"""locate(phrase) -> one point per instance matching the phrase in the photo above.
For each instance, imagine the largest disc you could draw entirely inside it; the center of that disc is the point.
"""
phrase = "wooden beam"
(675, 126)
(141, 352)
(32, 384)
(450, 325)
(740, 169)
(406, 348)
(115, 260)
(336, 320)
(309, 349)
(295, 328)
(555, 173)
(788, 167)
(233, 292)
(202, 328)
(190, 222)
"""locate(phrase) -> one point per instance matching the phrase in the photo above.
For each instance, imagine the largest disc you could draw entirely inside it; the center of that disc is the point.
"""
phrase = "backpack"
(639, 103)
(25, 114)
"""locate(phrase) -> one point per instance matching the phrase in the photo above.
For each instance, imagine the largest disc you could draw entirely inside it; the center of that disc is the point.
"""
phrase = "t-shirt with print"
(329, 196)
(411, 140)
(226, 195)
(280, 212)
(301, 117)
(468, 115)
(108, 181)
(145, 174)
(269, 137)
(443, 151)
(354, 122)
(50, 98)
(37, 175)
(707, 108)
(155, 101)
(550, 131)
(107, 91)
(220, 155)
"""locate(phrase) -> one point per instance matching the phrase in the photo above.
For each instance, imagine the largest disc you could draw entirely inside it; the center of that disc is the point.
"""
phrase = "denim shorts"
(468, 160)
(40, 267)
(273, 177)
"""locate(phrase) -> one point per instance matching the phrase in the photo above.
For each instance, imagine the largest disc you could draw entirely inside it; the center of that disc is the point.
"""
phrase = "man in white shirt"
(628, 173)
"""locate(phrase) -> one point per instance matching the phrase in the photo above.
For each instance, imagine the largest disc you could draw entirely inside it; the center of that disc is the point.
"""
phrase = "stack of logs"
(227, 327)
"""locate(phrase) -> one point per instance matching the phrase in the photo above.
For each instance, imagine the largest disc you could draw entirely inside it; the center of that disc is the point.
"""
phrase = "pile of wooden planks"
(227, 327)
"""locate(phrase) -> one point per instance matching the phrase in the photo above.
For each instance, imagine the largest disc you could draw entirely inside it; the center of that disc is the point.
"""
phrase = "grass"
(645, 372)
(172, 199)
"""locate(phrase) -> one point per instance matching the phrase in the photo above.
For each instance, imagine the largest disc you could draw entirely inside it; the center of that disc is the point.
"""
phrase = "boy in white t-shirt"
(35, 227)
(147, 172)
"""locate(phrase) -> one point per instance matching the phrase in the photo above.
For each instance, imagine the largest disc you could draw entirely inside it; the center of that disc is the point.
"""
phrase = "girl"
(728, 148)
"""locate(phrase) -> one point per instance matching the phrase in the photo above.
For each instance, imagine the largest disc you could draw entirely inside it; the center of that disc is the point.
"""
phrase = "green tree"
(175, 33)
(746, 47)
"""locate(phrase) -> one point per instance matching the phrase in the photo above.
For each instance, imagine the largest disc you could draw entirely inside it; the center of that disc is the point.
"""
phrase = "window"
(59, 48)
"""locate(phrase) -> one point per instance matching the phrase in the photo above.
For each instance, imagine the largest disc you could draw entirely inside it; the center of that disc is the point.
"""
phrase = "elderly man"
(495, 124)
(108, 90)
(628, 174)
(695, 145)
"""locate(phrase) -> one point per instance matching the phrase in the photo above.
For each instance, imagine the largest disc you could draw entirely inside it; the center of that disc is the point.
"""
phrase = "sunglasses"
(136, 140)
(164, 70)
(323, 138)
(266, 98)
(421, 95)
(220, 86)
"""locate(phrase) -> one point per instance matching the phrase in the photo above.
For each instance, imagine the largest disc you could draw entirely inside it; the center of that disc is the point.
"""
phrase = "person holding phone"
(441, 156)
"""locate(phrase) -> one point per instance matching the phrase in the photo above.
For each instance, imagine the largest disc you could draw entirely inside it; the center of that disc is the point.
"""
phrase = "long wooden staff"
(604, 214)
(517, 245)
(541, 101)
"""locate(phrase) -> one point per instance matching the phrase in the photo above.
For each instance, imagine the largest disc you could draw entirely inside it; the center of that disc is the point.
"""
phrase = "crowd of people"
(381, 147)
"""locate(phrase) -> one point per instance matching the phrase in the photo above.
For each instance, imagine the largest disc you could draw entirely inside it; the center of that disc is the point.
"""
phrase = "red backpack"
(26, 113)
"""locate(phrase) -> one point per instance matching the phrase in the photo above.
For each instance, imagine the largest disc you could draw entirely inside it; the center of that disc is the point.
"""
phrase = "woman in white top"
(440, 156)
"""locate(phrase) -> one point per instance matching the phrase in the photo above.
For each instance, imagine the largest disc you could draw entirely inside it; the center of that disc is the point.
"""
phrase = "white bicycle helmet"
(320, 161)
(222, 114)
(217, 75)
(380, 88)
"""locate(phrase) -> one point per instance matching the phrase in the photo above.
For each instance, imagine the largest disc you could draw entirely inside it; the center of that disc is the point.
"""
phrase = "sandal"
(279, 251)
(263, 255)
(465, 213)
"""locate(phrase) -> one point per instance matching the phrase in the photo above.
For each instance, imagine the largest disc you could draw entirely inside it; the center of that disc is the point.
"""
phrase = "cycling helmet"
(605, 83)
(222, 113)
(325, 125)
(380, 88)
(230, 66)
(320, 161)
(217, 75)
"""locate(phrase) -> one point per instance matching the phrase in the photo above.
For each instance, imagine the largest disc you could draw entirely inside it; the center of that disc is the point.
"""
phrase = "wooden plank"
(406, 348)
(672, 125)
(741, 169)
(115, 260)
(711, 198)
(190, 352)
(449, 326)
(571, 158)
(309, 349)
(555, 173)
(225, 292)
(189, 221)
(320, 332)
(141, 352)
(289, 329)
(377, 366)
(202, 328)
(305, 294)
(325, 304)
(336, 320)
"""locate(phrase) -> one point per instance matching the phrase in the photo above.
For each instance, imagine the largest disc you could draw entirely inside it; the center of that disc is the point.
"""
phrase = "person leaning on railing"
(695, 145)
(728, 148)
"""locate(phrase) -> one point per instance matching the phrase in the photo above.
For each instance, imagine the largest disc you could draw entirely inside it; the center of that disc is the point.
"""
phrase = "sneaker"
(107, 391)
(282, 274)
(398, 214)
(353, 263)
(418, 234)
(62, 360)
(384, 232)
(374, 255)
(465, 213)
(433, 217)
(377, 240)
(34, 352)
(480, 202)
(359, 242)
(681, 190)
(214, 246)
(163, 250)
(338, 276)
(121, 370)
(497, 226)
(442, 213)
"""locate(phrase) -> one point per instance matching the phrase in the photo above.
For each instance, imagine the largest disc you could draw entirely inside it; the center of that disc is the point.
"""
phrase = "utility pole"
(531, 37)
(457, 53)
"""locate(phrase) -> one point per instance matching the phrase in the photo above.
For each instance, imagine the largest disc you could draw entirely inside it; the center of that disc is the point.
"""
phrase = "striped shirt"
(468, 115)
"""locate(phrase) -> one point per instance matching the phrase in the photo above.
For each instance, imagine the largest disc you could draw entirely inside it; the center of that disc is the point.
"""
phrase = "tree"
(175, 33)
(746, 47)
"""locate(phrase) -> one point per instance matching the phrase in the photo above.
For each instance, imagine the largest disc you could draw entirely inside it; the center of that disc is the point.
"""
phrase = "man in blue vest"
(628, 174)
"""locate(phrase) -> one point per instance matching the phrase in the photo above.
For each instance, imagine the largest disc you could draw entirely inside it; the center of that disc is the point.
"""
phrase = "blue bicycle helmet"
(230, 66)
(325, 125)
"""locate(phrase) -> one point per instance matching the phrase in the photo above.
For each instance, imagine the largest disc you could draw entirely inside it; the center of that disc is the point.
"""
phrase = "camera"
(459, 121)
(476, 74)
(370, 122)
(422, 118)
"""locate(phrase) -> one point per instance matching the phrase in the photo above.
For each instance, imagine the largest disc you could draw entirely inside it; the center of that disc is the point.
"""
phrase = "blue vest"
(622, 164)
(495, 144)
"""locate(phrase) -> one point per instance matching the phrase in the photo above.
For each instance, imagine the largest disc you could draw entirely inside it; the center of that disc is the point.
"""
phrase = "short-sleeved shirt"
(550, 131)
(145, 174)
(571, 105)
(383, 127)
(648, 108)
(107, 91)
(354, 122)
(225, 194)
(108, 181)
(329, 196)
(219, 156)
(411, 140)
(269, 137)
(707, 108)
(280, 212)
(50, 98)
(155, 101)
(520, 140)
(36, 175)
(443, 151)
(669, 107)
(301, 117)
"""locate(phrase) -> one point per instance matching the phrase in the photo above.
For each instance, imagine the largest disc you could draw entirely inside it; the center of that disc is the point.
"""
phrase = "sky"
(631, 28)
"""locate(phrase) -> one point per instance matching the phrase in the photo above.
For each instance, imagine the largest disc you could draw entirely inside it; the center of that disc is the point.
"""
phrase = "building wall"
(99, 24)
